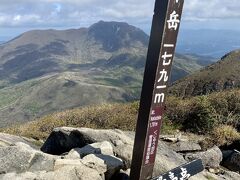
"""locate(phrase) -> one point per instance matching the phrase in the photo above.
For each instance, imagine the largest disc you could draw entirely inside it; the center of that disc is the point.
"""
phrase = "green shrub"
(201, 117)
(177, 109)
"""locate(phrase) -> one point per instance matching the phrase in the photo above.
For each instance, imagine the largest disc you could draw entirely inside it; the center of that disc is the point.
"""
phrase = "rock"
(213, 171)
(105, 165)
(64, 173)
(74, 154)
(173, 138)
(211, 158)
(76, 173)
(205, 175)
(170, 139)
(122, 145)
(234, 145)
(96, 163)
(231, 160)
(59, 163)
(64, 139)
(113, 164)
(10, 140)
(122, 175)
(124, 152)
(41, 161)
(22, 176)
(227, 153)
(22, 157)
(96, 148)
(230, 175)
(185, 146)
(15, 158)
(166, 159)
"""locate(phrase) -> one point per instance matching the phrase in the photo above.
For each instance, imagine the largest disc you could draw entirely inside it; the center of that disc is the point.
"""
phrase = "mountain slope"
(56, 92)
(217, 77)
(44, 71)
(37, 53)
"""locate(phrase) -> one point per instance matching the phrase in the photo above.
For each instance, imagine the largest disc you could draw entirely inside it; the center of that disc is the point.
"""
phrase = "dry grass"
(204, 115)
(106, 116)
(225, 134)
(220, 136)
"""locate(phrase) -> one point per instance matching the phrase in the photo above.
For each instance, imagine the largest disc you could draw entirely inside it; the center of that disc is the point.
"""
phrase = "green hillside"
(219, 76)
(45, 71)
(56, 92)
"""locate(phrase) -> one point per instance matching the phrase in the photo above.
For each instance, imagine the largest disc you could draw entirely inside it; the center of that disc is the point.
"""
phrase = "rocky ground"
(88, 154)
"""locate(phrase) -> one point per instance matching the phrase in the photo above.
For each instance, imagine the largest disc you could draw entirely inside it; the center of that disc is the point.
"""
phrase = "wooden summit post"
(165, 27)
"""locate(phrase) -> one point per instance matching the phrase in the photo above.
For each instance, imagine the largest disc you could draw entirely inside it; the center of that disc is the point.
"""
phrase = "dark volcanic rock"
(231, 160)
(61, 141)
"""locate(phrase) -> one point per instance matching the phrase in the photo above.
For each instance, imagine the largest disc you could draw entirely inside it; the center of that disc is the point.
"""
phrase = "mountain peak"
(115, 35)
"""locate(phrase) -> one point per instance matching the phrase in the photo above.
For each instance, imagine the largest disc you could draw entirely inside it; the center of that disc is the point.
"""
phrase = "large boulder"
(63, 139)
(22, 157)
(211, 158)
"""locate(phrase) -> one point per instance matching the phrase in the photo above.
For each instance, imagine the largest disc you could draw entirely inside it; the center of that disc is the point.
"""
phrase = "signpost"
(183, 172)
(165, 27)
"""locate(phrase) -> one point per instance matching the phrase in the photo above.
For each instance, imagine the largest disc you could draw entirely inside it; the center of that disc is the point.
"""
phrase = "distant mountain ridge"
(222, 75)
(43, 71)
(39, 52)
(208, 42)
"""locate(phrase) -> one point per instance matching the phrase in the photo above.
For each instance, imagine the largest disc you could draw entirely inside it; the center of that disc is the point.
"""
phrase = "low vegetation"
(217, 115)
(219, 76)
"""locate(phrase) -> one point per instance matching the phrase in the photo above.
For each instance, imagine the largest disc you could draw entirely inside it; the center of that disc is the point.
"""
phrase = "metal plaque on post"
(165, 26)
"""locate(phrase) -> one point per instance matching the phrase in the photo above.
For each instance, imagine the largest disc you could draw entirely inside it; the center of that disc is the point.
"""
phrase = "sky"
(17, 16)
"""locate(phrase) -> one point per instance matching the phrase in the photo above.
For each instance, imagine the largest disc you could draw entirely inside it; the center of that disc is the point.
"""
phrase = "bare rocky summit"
(82, 153)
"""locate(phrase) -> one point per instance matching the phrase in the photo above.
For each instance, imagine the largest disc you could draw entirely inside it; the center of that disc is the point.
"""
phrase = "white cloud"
(212, 9)
(53, 13)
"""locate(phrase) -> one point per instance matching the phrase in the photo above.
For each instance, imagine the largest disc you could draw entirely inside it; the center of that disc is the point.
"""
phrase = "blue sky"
(17, 16)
